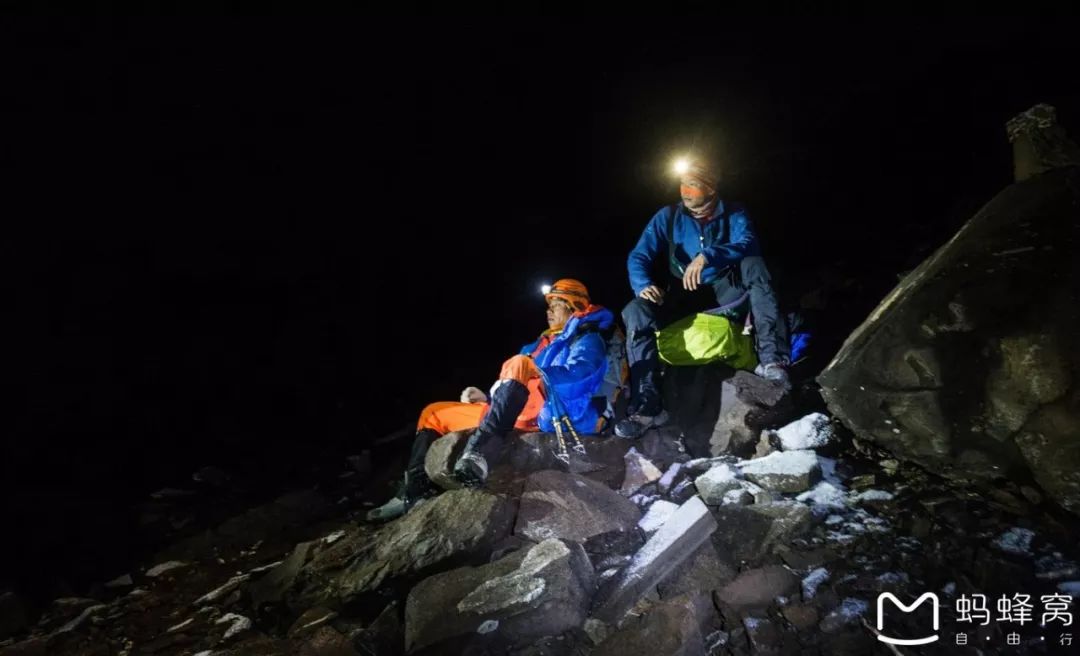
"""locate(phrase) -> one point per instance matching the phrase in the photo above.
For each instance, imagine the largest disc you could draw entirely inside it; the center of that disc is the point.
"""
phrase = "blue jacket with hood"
(575, 362)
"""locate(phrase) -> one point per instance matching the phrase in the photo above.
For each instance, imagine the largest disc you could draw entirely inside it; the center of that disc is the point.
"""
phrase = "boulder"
(455, 528)
(532, 593)
(441, 457)
(569, 506)
(960, 366)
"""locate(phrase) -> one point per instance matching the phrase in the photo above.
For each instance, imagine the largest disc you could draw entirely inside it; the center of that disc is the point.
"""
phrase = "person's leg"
(508, 399)
(640, 317)
(643, 318)
(773, 348)
(436, 420)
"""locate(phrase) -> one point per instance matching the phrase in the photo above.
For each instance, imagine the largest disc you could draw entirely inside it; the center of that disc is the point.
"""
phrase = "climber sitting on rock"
(571, 354)
(714, 260)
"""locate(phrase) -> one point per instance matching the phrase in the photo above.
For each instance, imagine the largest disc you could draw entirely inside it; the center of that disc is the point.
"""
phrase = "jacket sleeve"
(652, 242)
(742, 242)
(587, 355)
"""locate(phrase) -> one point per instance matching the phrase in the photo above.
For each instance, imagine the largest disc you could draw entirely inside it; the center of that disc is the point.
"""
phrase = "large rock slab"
(532, 452)
(441, 457)
(674, 543)
(561, 505)
(974, 343)
(455, 528)
(532, 593)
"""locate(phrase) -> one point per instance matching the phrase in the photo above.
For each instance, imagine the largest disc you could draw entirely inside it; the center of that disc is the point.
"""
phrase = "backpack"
(616, 375)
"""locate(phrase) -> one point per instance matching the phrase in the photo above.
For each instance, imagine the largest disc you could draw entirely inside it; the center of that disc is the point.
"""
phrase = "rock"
(848, 613)
(613, 549)
(326, 641)
(863, 482)
(441, 457)
(662, 446)
(667, 629)
(124, 581)
(221, 592)
(764, 445)
(639, 472)
(456, 527)
(83, 617)
(702, 573)
(13, 617)
(969, 357)
(311, 620)
(758, 588)
(767, 638)
(386, 635)
(658, 513)
(542, 591)
(1050, 448)
(747, 533)
(803, 618)
(748, 404)
(670, 477)
(1015, 541)
(560, 505)
(1030, 493)
(158, 570)
(678, 539)
(738, 497)
(807, 560)
(597, 631)
(813, 431)
(31, 647)
(533, 452)
(692, 396)
(236, 624)
(507, 546)
(715, 483)
(273, 587)
(787, 471)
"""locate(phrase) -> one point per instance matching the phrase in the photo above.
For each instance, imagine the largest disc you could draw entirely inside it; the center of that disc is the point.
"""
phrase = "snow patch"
(874, 495)
(658, 513)
(825, 496)
(1070, 588)
(812, 581)
(1015, 541)
(487, 626)
(794, 463)
(810, 432)
(239, 624)
(333, 537)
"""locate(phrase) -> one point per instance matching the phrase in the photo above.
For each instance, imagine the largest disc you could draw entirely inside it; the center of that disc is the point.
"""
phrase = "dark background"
(244, 242)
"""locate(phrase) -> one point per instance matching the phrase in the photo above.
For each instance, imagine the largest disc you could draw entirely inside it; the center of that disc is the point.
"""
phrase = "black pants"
(643, 318)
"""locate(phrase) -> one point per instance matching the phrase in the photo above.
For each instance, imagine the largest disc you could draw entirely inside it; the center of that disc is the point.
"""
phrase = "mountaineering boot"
(508, 399)
(775, 372)
(635, 425)
(414, 486)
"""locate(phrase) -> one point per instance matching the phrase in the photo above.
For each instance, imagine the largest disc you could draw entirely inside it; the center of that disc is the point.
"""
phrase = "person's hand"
(692, 278)
(653, 293)
(473, 395)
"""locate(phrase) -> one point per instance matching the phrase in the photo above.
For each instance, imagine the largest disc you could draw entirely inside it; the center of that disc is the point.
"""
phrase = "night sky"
(239, 242)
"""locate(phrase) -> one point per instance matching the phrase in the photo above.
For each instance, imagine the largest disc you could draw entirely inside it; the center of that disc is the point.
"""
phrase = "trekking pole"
(561, 419)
